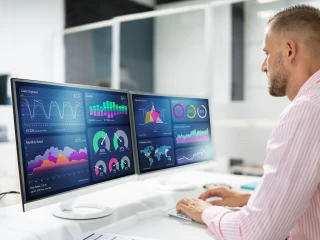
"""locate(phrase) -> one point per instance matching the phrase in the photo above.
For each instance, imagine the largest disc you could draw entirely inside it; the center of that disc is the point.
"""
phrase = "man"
(286, 203)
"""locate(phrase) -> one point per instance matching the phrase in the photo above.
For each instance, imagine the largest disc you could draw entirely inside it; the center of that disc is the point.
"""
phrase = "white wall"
(26, 51)
(222, 55)
(180, 54)
(26, 30)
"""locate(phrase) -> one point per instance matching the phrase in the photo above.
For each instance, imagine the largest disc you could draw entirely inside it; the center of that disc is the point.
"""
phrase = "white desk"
(136, 212)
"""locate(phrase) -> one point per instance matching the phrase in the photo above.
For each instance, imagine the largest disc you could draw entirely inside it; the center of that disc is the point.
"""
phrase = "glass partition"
(180, 54)
(88, 57)
(164, 54)
(137, 55)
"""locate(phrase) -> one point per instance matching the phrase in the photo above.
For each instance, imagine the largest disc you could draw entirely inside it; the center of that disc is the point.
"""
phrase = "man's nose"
(264, 66)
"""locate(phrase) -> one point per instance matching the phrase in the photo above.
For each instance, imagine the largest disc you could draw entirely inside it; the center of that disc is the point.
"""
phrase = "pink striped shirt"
(286, 203)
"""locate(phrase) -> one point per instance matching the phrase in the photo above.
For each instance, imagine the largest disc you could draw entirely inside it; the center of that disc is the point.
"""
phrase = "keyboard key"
(172, 212)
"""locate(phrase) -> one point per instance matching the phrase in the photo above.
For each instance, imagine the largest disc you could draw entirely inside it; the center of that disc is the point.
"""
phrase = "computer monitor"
(170, 132)
(71, 140)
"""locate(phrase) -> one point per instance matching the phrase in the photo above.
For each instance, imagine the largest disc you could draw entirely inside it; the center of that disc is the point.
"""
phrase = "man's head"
(292, 48)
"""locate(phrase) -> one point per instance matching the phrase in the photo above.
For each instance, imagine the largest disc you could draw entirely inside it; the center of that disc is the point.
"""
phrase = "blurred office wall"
(26, 29)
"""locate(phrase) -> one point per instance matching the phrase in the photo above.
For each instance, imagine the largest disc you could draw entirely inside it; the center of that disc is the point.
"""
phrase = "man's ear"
(291, 50)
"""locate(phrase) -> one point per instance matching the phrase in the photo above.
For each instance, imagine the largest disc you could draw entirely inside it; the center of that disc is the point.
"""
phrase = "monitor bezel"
(160, 172)
(70, 194)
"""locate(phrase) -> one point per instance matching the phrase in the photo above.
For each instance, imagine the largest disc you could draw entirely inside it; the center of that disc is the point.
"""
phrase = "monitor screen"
(171, 131)
(70, 137)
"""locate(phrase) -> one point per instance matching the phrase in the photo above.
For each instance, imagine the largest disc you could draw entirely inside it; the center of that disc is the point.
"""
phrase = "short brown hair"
(302, 21)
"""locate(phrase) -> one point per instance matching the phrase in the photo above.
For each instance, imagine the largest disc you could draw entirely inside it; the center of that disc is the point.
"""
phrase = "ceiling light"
(266, 1)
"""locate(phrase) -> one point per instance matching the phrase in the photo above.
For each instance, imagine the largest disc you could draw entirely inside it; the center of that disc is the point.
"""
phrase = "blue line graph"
(51, 110)
(38, 103)
(193, 154)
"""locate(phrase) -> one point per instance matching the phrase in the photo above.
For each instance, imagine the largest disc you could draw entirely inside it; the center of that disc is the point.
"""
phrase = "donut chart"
(191, 111)
(178, 111)
(202, 111)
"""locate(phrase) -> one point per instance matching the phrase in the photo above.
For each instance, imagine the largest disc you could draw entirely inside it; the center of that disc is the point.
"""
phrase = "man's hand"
(229, 197)
(193, 208)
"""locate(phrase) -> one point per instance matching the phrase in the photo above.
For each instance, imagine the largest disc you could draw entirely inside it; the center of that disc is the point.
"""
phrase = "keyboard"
(173, 212)
(100, 236)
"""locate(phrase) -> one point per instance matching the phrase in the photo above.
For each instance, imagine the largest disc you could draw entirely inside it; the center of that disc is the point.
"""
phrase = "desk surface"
(136, 212)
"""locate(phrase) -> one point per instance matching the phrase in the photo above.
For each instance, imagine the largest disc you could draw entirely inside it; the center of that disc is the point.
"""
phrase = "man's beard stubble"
(278, 78)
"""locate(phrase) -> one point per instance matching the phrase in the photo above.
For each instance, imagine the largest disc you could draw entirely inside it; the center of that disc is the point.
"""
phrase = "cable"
(5, 193)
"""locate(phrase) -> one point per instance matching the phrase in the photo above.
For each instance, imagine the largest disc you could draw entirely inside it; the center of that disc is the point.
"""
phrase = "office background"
(167, 54)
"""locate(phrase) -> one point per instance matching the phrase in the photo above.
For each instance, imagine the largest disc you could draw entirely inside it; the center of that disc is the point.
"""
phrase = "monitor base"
(174, 183)
(176, 186)
(82, 211)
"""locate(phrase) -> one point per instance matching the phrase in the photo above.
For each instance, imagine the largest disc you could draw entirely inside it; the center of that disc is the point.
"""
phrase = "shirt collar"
(309, 83)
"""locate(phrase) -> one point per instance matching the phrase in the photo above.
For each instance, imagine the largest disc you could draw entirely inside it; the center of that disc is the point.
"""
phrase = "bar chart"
(108, 109)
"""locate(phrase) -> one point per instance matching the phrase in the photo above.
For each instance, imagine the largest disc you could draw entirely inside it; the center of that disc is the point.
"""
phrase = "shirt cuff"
(212, 212)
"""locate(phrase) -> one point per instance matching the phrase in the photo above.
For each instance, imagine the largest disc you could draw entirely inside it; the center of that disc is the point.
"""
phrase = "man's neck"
(300, 77)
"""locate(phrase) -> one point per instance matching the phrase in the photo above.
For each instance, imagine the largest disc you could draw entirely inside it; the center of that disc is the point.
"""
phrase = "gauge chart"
(101, 142)
(125, 163)
(120, 141)
(100, 168)
(114, 165)
(110, 151)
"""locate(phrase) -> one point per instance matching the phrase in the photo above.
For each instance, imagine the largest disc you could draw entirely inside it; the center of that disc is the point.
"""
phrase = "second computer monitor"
(170, 131)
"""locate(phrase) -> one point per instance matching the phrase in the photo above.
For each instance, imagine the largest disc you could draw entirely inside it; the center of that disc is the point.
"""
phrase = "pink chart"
(193, 136)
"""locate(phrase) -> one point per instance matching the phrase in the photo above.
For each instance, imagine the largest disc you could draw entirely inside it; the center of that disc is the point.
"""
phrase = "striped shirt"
(286, 203)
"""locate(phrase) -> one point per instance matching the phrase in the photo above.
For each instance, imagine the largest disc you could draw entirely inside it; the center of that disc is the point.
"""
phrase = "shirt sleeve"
(291, 176)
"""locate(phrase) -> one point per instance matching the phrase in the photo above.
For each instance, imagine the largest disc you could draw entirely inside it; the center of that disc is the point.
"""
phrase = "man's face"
(274, 67)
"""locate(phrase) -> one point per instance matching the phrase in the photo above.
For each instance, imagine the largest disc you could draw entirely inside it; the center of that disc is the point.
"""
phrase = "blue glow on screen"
(71, 137)
(171, 131)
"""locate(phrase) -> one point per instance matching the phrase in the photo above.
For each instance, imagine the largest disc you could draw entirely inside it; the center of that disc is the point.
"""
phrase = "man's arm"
(291, 176)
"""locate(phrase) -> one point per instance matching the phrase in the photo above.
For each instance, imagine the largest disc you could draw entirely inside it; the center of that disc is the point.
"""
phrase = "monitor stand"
(70, 210)
(166, 183)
